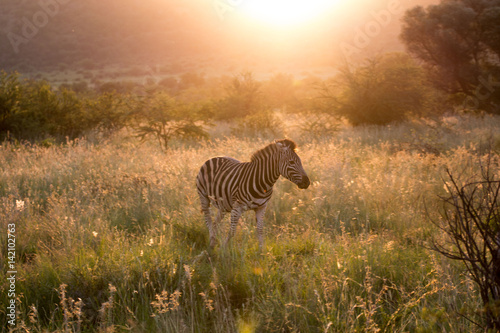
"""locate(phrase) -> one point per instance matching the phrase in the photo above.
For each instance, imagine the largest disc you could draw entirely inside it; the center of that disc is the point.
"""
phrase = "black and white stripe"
(234, 186)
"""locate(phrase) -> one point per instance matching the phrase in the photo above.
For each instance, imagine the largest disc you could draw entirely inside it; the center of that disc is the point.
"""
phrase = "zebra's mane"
(272, 147)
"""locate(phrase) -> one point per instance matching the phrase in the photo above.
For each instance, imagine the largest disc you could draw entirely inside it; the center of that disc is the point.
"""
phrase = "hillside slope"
(47, 33)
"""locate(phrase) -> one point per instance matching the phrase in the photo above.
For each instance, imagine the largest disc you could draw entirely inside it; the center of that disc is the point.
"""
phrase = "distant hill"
(50, 32)
(55, 34)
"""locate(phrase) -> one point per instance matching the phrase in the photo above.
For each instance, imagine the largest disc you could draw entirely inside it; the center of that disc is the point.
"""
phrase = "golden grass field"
(110, 237)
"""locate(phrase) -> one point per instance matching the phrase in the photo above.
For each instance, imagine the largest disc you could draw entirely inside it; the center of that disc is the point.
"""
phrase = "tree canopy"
(459, 42)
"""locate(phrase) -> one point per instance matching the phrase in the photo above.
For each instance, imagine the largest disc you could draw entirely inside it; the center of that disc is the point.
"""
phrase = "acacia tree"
(164, 118)
(459, 41)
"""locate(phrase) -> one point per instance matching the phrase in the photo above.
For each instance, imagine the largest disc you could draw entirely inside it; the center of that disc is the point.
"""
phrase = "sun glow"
(286, 13)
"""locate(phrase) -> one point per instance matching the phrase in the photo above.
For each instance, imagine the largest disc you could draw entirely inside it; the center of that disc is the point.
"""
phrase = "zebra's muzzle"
(304, 183)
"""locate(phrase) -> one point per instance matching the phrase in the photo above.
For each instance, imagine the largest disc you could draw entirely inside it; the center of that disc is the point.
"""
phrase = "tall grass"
(111, 237)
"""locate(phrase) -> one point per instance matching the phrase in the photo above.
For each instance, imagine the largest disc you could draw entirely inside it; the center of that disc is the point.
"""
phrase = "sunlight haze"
(283, 13)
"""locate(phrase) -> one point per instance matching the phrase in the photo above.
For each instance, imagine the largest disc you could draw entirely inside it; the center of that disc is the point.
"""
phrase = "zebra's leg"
(205, 208)
(218, 219)
(259, 216)
(235, 216)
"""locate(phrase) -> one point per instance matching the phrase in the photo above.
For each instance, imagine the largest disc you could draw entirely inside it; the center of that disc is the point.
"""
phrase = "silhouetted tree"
(164, 118)
(459, 41)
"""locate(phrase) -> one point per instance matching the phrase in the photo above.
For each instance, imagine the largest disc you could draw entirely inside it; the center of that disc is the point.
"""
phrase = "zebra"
(235, 187)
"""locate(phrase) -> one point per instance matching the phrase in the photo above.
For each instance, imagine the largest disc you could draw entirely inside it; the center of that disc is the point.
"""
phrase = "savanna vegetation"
(398, 231)
(110, 235)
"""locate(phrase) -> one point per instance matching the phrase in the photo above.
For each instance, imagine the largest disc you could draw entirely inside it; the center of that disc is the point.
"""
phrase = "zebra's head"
(290, 165)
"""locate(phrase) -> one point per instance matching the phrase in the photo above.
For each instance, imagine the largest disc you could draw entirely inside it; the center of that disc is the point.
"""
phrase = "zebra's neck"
(267, 161)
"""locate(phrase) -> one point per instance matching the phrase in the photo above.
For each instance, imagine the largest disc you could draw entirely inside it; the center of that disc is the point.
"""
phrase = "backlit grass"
(110, 236)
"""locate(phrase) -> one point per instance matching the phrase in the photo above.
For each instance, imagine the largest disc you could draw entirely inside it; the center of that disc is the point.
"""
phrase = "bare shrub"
(470, 222)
